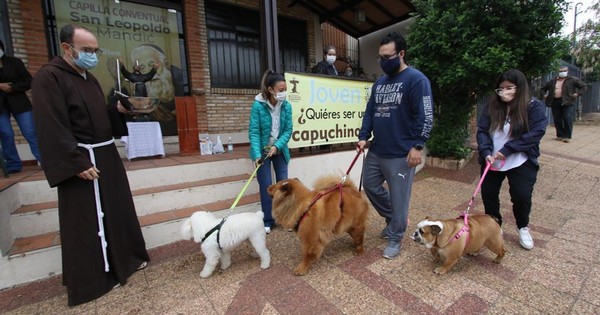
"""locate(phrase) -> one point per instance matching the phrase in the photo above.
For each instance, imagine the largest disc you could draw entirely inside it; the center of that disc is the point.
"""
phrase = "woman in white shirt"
(509, 131)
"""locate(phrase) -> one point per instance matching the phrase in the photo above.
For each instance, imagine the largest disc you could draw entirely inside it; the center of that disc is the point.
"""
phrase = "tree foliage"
(462, 47)
(587, 49)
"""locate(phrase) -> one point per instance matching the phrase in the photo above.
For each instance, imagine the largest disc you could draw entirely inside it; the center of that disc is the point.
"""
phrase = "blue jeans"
(265, 180)
(7, 138)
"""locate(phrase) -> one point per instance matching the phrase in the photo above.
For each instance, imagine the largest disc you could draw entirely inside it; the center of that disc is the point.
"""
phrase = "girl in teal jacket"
(269, 131)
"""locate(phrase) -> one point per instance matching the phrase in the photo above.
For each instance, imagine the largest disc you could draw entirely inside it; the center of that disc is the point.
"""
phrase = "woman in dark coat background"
(15, 80)
(326, 66)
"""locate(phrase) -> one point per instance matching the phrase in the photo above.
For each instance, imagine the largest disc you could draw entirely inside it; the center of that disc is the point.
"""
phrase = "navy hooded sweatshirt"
(399, 114)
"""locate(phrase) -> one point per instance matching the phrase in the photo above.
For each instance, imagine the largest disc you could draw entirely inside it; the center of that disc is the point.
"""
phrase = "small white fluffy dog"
(236, 229)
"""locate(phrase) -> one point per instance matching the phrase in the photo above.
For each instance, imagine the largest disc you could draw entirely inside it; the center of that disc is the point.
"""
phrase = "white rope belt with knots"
(99, 213)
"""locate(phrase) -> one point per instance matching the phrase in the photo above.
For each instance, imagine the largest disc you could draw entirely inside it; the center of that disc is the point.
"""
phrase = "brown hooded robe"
(68, 109)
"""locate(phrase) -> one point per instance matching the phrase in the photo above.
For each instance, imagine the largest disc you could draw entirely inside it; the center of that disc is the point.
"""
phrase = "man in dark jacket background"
(561, 93)
(15, 80)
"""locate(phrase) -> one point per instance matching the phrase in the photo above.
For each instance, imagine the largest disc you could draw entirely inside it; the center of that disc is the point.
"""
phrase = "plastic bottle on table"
(229, 145)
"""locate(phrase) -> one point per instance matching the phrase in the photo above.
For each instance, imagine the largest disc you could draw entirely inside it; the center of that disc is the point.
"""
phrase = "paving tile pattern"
(561, 275)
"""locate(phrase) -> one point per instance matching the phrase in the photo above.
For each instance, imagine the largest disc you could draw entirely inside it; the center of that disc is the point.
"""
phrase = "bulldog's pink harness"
(463, 230)
(465, 215)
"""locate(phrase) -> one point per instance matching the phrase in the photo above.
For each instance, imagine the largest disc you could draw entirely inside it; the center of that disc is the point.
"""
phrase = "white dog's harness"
(217, 228)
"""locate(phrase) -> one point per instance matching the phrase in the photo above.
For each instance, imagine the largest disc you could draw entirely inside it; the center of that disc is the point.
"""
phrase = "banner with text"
(326, 110)
(133, 33)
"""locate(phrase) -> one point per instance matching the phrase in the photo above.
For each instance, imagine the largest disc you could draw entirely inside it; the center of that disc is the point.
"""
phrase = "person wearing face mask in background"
(269, 132)
(560, 94)
(326, 66)
(101, 240)
(509, 131)
(399, 116)
(14, 81)
(348, 72)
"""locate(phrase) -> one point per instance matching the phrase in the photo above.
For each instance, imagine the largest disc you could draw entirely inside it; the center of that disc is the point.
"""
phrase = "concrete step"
(250, 202)
(39, 256)
(40, 218)
(163, 196)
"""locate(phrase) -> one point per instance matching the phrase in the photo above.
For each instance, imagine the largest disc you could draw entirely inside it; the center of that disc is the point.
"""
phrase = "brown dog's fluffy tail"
(328, 181)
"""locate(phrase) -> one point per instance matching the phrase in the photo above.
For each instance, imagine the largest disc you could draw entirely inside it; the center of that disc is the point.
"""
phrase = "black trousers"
(521, 181)
(563, 118)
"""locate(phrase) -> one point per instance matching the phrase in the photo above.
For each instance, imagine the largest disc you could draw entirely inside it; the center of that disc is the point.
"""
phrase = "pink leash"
(465, 214)
(488, 166)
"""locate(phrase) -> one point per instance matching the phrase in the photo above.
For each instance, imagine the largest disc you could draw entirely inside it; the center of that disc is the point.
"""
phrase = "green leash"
(239, 196)
(237, 199)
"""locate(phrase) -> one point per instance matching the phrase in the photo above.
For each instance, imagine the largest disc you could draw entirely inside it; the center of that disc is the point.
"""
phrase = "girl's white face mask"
(330, 59)
(280, 96)
(563, 74)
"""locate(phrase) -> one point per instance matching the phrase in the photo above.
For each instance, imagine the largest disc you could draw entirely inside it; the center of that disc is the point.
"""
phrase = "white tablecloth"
(145, 139)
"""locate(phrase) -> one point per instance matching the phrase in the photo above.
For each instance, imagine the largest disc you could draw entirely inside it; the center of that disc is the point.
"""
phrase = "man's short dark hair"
(398, 39)
(68, 31)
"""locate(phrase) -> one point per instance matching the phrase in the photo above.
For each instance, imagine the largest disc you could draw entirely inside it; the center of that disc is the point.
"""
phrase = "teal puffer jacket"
(259, 129)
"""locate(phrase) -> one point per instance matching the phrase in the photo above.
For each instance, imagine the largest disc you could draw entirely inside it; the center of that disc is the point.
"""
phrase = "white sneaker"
(525, 238)
(267, 229)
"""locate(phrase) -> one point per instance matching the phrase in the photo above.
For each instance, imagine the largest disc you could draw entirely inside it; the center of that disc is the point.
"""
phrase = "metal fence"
(590, 100)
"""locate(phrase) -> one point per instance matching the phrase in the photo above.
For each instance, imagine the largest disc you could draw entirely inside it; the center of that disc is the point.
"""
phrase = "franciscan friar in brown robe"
(70, 109)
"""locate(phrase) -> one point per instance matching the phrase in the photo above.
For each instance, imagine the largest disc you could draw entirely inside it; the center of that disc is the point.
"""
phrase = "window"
(293, 49)
(4, 28)
(234, 45)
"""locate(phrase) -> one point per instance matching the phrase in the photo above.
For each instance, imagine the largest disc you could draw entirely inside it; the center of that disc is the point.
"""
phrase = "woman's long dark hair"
(269, 79)
(498, 109)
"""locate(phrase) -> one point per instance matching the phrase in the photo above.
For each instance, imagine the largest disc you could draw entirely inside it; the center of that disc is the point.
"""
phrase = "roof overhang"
(359, 17)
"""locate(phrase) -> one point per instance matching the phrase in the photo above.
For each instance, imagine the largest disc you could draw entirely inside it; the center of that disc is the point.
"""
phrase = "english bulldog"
(449, 240)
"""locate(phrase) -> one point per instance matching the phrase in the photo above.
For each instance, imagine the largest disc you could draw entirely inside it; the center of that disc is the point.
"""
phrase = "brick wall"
(219, 110)
(228, 110)
(197, 53)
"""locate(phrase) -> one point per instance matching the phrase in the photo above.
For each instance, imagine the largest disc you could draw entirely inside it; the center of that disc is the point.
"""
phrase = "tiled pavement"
(561, 275)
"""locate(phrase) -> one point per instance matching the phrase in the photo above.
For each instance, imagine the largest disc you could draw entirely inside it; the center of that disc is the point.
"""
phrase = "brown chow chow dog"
(325, 218)
(446, 242)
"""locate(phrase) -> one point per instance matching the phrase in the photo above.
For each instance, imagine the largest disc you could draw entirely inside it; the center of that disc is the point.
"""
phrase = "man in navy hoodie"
(399, 116)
